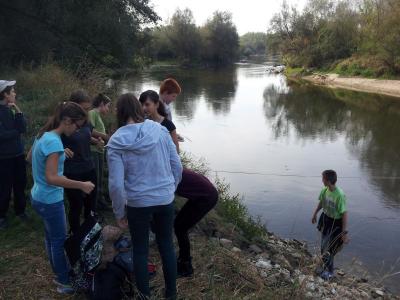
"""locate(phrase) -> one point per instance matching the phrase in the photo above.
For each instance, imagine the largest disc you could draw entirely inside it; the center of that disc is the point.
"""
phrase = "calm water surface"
(271, 139)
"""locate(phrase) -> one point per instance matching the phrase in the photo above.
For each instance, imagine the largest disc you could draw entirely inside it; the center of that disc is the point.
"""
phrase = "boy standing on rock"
(332, 223)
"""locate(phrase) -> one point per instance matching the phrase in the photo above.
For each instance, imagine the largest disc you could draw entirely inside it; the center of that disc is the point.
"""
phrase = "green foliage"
(216, 43)
(107, 32)
(253, 43)
(331, 30)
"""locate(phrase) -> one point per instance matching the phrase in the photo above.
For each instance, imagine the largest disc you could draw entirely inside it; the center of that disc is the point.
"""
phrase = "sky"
(248, 15)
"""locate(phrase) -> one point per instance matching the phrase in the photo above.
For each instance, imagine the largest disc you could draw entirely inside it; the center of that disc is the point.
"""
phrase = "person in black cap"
(12, 158)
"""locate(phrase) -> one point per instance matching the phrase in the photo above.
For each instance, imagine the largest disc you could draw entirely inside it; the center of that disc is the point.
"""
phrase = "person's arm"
(29, 155)
(174, 136)
(20, 122)
(176, 164)
(96, 134)
(8, 134)
(317, 209)
(116, 185)
(53, 178)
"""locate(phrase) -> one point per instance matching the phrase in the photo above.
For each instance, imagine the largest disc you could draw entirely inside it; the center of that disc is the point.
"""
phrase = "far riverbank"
(377, 86)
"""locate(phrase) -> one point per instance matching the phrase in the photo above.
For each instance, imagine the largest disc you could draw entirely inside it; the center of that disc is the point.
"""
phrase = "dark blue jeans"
(139, 225)
(55, 227)
(327, 256)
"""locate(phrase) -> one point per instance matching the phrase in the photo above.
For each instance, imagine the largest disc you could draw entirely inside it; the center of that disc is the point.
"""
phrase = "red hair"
(170, 86)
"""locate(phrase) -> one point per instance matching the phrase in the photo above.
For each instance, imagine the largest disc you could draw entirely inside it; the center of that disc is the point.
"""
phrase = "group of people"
(145, 174)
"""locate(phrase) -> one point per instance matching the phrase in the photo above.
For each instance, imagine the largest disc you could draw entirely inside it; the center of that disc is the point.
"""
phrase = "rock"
(364, 295)
(264, 264)
(378, 294)
(309, 295)
(310, 286)
(255, 249)
(302, 277)
(236, 250)
(340, 273)
(282, 261)
(285, 275)
(225, 242)
(333, 291)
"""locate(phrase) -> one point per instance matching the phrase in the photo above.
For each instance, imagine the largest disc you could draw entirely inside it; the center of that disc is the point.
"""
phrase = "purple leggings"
(202, 197)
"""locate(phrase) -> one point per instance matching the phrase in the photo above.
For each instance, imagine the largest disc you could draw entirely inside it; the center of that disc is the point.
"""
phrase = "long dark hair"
(79, 96)
(64, 110)
(128, 107)
(99, 99)
(155, 98)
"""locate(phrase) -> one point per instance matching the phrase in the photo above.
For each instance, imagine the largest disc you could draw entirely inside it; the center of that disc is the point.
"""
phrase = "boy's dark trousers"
(12, 181)
(202, 197)
(331, 239)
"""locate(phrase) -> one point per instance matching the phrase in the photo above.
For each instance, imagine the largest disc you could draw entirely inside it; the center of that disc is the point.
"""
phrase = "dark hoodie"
(12, 125)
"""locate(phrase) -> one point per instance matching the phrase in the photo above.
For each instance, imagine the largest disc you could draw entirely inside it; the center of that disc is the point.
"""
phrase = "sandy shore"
(377, 86)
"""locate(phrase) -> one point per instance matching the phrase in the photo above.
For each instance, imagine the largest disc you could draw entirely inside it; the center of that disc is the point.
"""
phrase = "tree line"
(214, 43)
(115, 34)
(366, 32)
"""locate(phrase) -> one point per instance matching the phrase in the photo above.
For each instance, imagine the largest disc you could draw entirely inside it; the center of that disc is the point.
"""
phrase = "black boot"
(185, 268)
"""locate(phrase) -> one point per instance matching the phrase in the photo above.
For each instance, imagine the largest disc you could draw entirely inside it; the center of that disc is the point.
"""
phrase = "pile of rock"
(285, 262)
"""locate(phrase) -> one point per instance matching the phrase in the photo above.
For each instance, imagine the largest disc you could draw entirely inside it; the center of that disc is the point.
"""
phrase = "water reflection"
(369, 124)
(216, 87)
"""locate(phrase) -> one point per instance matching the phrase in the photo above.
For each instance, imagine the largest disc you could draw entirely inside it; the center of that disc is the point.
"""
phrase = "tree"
(253, 43)
(220, 40)
(106, 31)
(184, 35)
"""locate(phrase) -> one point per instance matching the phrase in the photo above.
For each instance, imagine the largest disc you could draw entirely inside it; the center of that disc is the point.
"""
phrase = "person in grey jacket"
(144, 171)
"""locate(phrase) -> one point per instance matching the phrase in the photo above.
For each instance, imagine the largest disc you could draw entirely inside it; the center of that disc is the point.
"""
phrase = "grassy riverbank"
(235, 257)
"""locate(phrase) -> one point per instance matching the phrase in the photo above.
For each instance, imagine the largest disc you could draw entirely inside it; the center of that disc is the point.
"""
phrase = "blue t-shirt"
(48, 143)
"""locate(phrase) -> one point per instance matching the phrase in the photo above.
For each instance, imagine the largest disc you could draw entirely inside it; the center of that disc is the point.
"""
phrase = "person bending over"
(201, 194)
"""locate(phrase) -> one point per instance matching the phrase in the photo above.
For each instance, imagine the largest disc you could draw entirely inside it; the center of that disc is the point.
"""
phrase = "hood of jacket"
(139, 138)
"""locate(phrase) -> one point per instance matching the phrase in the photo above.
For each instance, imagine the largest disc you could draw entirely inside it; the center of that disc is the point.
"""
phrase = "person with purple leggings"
(201, 194)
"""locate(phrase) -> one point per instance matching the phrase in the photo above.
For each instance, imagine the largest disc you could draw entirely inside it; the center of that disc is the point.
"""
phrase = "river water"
(271, 139)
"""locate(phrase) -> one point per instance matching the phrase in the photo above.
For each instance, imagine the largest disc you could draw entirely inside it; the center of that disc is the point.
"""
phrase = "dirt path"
(378, 86)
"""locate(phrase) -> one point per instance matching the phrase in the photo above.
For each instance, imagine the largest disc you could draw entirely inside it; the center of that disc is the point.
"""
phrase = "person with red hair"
(169, 90)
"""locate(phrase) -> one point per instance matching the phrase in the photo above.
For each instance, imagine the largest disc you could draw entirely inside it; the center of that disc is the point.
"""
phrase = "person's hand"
(14, 106)
(345, 238)
(122, 223)
(314, 219)
(87, 187)
(68, 153)
(100, 143)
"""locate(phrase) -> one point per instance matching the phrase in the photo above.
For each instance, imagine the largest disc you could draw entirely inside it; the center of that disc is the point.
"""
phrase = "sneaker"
(24, 217)
(64, 288)
(185, 268)
(326, 275)
(3, 223)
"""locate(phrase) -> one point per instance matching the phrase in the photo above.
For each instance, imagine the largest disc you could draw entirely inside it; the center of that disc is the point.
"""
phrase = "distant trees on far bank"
(253, 43)
(327, 31)
(215, 43)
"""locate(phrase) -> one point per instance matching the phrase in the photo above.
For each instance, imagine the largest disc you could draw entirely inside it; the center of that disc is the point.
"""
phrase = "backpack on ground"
(83, 250)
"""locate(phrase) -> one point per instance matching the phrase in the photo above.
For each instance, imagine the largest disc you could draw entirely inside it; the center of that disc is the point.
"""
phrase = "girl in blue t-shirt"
(48, 157)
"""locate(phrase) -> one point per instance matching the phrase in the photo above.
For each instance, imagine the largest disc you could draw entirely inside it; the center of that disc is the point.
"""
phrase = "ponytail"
(63, 110)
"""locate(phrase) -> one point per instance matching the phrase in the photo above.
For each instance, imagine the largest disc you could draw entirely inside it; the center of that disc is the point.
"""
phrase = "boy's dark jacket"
(12, 125)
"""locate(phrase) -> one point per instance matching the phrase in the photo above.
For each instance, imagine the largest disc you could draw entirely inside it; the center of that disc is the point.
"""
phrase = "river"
(271, 139)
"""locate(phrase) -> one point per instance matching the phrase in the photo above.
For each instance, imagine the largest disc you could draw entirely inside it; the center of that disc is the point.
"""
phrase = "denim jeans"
(139, 224)
(55, 227)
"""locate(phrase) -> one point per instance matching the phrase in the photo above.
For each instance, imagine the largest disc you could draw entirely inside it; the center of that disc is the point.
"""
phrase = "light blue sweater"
(144, 167)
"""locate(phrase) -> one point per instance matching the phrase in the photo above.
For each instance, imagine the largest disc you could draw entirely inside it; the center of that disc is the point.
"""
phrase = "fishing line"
(298, 175)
